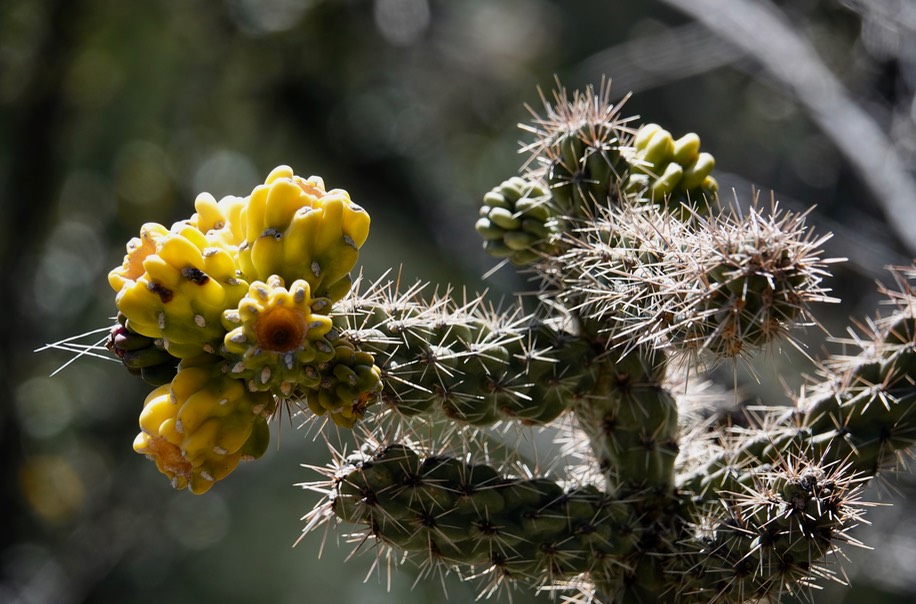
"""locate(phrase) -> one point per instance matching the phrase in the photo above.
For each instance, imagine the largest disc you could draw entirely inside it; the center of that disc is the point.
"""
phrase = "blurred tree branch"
(31, 173)
(654, 60)
(762, 31)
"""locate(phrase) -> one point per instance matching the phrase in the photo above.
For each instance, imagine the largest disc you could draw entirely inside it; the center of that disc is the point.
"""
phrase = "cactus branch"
(248, 307)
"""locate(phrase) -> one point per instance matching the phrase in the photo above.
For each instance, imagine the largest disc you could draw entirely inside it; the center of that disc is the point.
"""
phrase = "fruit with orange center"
(277, 337)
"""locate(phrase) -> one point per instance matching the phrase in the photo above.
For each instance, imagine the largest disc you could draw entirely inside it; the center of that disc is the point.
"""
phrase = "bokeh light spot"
(44, 407)
(52, 488)
(142, 174)
(94, 79)
(260, 17)
(67, 269)
(225, 173)
(402, 22)
(198, 523)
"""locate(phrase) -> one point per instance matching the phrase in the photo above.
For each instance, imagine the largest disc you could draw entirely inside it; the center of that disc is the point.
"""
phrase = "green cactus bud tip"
(578, 145)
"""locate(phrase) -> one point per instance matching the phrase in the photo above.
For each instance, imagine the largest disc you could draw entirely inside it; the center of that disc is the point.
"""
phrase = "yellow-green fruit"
(669, 171)
(198, 428)
(349, 384)
(277, 337)
(518, 220)
(174, 286)
(295, 228)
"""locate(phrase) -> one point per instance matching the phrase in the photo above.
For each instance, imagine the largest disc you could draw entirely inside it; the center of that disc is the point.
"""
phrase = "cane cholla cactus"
(248, 308)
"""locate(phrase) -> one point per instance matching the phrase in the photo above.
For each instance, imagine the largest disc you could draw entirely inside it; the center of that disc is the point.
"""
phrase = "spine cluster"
(643, 278)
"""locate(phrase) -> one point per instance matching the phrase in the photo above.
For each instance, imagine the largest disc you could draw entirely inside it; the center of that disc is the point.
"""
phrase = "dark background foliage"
(117, 113)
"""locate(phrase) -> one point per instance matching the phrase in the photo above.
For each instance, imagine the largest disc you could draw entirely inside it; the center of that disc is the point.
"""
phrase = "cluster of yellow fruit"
(239, 297)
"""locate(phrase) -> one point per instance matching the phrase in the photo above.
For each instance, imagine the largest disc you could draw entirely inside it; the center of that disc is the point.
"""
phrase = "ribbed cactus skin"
(859, 417)
(632, 422)
(347, 384)
(770, 536)
(469, 514)
(468, 363)
(579, 148)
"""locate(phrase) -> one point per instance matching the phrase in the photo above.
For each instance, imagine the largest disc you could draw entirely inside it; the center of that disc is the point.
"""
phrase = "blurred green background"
(115, 113)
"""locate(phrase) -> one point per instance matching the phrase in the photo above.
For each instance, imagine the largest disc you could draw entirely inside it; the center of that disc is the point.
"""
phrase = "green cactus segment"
(474, 366)
(469, 515)
(632, 424)
(586, 165)
(754, 280)
(201, 425)
(518, 221)
(772, 535)
(724, 287)
(673, 173)
(578, 146)
(609, 275)
(141, 355)
(488, 377)
(870, 418)
(861, 416)
(749, 300)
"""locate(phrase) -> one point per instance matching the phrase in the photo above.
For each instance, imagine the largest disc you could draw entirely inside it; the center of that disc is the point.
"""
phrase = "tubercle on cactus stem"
(469, 362)
(640, 276)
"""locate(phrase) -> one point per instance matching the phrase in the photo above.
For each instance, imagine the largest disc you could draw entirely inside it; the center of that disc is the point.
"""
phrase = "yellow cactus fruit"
(174, 286)
(220, 221)
(138, 249)
(349, 384)
(277, 337)
(200, 426)
(297, 229)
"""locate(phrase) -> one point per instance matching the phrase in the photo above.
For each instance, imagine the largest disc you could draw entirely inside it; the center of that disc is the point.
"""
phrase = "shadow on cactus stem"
(643, 284)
